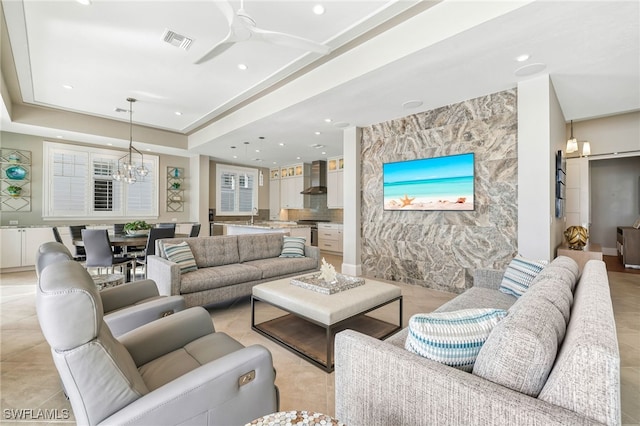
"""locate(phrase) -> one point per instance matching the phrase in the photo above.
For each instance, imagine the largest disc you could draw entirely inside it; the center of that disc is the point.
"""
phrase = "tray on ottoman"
(315, 283)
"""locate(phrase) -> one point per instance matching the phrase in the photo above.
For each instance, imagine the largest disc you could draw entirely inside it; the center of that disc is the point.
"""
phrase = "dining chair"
(154, 235)
(166, 225)
(195, 230)
(118, 228)
(58, 238)
(76, 234)
(100, 254)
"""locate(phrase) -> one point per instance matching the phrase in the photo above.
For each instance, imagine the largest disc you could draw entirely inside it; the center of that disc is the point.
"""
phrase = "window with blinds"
(77, 183)
(236, 193)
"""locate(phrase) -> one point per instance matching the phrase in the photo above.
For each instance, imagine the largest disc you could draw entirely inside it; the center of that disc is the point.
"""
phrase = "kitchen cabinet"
(335, 183)
(295, 181)
(330, 237)
(18, 246)
(274, 194)
(628, 242)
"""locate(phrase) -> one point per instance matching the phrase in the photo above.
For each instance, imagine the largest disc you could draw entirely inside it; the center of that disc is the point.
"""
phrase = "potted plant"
(175, 185)
(139, 227)
(14, 191)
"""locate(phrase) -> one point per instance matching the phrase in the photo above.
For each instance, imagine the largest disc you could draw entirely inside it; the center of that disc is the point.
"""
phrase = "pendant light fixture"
(127, 170)
(572, 143)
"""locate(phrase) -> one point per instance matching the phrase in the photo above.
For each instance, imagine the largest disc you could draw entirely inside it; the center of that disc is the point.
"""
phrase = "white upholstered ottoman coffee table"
(306, 321)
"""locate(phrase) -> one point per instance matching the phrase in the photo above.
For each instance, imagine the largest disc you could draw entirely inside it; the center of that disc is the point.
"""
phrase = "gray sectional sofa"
(553, 360)
(228, 266)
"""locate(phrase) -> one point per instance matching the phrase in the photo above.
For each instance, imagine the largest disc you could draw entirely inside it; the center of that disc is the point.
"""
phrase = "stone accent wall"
(441, 249)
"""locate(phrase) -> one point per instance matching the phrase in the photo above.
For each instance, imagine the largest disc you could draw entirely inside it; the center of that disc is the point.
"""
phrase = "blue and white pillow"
(519, 275)
(293, 247)
(452, 338)
(182, 255)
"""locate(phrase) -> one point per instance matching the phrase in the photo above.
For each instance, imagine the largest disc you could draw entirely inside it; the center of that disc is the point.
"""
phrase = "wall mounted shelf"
(175, 189)
(15, 182)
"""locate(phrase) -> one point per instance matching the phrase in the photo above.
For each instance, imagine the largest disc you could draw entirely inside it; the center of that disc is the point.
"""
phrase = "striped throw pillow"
(293, 247)
(452, 338)
(519, 275)
(182, 255)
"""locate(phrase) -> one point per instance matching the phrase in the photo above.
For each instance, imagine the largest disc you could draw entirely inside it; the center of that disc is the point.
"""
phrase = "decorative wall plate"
(16, 172)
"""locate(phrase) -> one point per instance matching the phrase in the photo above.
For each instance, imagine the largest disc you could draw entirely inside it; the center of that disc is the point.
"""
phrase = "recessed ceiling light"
(281, 144)
(148, 149)
(317, 133)
(324, 153)
(275, 162)
(297, 158)
(59, 136)
(84, 2)
(67, 86)
(242, 67)
(522, 58)
(110, 144)
(257, 150)
(411, 104)
(178, 113)
(327, 120)
(529, 69)
(235, 156)
(318, 9)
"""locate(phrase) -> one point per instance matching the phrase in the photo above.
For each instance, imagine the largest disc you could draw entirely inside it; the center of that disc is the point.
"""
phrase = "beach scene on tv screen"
(441, 183)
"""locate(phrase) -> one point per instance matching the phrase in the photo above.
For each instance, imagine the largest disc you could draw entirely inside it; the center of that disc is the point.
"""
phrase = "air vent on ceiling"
(177, 40)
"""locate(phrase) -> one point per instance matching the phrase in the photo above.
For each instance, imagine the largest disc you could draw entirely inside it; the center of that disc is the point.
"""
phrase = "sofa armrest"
(165, 335)
(114, 298)
(381, 384)
(487, 278)
(165, 273)
(314, 253)
(209, 394)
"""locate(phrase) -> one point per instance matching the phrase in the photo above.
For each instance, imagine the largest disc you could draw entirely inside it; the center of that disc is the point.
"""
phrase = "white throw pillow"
(452, 338)
(519, 275)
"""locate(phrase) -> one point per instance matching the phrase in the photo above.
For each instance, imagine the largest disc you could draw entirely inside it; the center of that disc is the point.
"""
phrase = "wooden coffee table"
(306, 321)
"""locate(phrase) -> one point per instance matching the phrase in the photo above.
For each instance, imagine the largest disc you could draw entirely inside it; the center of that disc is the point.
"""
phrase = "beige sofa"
(553, 360)
(228, 266)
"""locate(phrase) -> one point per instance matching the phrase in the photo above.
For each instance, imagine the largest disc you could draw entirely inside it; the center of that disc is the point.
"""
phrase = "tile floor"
(29, 380)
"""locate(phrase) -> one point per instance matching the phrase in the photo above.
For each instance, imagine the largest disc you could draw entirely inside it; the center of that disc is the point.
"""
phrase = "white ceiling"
(446, 53)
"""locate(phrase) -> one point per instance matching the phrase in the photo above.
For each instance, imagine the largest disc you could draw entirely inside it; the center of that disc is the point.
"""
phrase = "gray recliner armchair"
(127, 306)
(176, 370)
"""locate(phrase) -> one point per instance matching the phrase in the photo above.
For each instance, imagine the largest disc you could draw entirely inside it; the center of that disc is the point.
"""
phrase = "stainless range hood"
(318, 179)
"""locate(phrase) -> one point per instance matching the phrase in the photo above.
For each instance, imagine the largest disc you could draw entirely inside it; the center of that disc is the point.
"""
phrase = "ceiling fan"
(242, 27)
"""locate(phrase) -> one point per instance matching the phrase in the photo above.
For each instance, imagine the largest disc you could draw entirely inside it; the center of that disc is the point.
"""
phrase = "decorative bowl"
(137, 232)
(16, 172)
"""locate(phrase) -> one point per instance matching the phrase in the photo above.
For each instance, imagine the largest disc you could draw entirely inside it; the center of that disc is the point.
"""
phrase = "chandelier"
(127, 170)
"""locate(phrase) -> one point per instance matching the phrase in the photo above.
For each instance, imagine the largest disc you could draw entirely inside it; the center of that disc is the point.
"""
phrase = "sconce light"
(260, 179)
(572, 143)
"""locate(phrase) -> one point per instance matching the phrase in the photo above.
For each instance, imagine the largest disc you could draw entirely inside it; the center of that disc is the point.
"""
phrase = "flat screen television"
(440, 183)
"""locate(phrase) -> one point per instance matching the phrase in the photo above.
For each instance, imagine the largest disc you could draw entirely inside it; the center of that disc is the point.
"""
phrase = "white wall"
(540, 135)
(617, 133)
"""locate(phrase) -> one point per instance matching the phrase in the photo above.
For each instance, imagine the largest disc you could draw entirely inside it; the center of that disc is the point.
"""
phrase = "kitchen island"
(291, 228)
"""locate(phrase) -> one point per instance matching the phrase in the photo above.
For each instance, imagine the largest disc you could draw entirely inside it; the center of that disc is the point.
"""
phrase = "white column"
(199, 191)
(351, 263)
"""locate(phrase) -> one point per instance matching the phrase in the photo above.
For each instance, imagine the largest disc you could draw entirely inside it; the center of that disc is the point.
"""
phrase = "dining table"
(125, 241)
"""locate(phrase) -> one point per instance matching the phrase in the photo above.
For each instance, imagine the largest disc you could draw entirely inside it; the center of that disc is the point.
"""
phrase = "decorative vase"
(577, 237)
(176, 172)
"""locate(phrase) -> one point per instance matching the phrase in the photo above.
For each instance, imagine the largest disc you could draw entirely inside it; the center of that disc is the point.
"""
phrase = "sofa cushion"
(478, 297)
(182, 255)
(452, 338)
(293, 247)
(215, 251)
(519, 274)
(278, 266)
(520, 351)
(218, 276)
(562, 268)
(259, 246)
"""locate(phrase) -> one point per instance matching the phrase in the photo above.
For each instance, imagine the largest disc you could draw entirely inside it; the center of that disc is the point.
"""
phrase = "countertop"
(263, 225)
